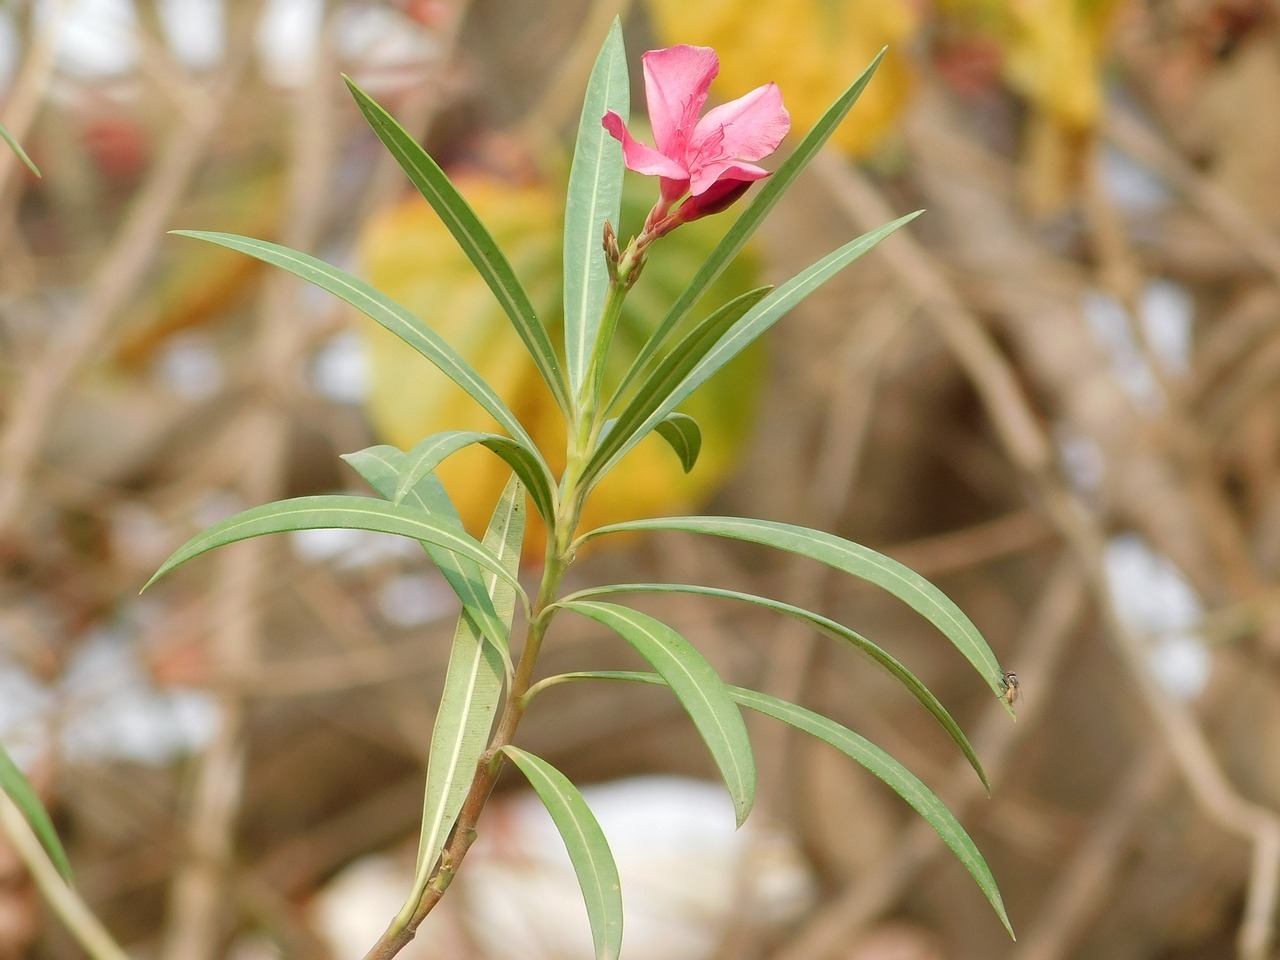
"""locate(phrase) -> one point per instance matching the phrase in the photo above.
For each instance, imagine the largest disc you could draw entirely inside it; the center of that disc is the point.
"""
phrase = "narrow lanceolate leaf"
(594, 196)
(903, 782)
(383, 310)
(342, 513)
(697, 686)
(20, 791)
(382, 466)
(588, 849)
(666, 378)
(683, 435)
(472, 692)
(16, 147)
(832, 629)
(473, 237)
(848, 557)
(752, 324)
(429, 453)
(751, 218)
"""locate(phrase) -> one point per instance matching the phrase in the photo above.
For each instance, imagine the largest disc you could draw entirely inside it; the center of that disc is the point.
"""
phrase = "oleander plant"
(705, 163)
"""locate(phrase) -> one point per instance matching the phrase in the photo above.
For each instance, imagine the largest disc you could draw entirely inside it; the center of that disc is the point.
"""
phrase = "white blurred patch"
(1166, 314)
(687, 875)
(1081, 458)
(411, 600)
(190, 367)
(340, 369)
(104, 707)
(382, 38)
(196, 31)
(351, 549)
(118, 714)
(1181, 663)
(1153, 599)
(288, 35)
(96, 38)
(1135, 187)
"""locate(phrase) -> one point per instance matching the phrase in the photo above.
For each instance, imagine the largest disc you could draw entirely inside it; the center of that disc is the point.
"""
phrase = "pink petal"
(720, 196)
(641, 158)
(676, 82)
(748, 128)
(705, 177)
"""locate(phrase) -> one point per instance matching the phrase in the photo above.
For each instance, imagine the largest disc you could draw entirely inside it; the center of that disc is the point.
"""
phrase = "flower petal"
(716, 175)
(640, 158)
(676, 82)
(748, 128)
(719, 196)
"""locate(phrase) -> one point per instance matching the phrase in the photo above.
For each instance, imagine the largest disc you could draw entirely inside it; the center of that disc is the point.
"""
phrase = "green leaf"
(382, 310)
(903, 782)
(472, 692)
(429, 453)
(382, 466)
(588, 849)
(683, 435)
(473, 237)
(343, 513)
(24, 797)
(697, 686)
(594, 196)
(751, 218)
(665, 380)
(16, 147)
(848, 557)
(755, 322)
(832, 629)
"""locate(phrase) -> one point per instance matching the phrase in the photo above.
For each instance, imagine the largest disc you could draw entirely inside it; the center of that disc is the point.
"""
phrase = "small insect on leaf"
(1012, 689)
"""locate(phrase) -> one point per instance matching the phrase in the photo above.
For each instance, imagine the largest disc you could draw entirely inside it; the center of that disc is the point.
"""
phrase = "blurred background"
(1055, 394)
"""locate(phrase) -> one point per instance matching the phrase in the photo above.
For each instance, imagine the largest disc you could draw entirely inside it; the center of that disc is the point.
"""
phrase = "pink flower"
(706, 158)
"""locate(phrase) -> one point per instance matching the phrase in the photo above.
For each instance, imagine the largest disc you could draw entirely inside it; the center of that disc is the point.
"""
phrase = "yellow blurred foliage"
(812, 49)
(407, 252)
(1052, 54)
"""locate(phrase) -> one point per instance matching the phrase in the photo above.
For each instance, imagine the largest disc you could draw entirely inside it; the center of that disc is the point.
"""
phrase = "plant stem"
(398, 934)
(66, 903)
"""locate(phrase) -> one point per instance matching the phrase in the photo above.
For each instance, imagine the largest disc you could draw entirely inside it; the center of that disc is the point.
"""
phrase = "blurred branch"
(122, 269)
(199, 897)
(1049, 628)
(1086, 882)
(1012, 417)
(66, 903)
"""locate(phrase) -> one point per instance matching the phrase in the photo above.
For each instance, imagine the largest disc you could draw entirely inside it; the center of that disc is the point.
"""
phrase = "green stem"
(403, 929)
(593, 384)
(87, 930)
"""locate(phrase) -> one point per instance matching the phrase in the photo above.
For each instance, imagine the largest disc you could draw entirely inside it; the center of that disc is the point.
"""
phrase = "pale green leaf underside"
(383, 310)
(382, 466)
(473, 237)
(342, 513)
(848, 557)
(832, 629)
(901, 780)
(20, 791)
(430, 452)
(472, 693)
(588, 849)
(696, 685)
(594, 196)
